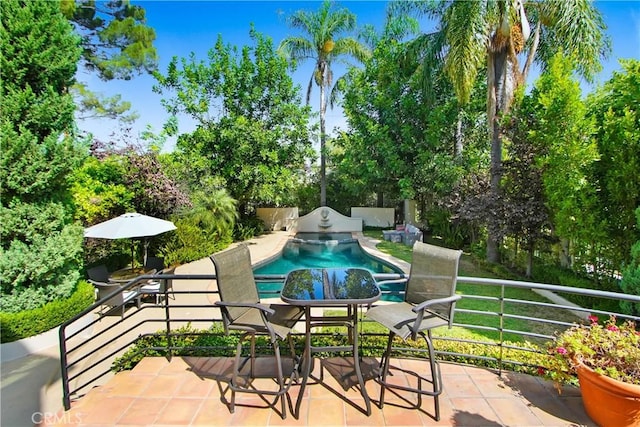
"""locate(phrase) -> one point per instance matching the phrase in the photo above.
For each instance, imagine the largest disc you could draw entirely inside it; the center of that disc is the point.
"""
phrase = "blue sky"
(183, 27)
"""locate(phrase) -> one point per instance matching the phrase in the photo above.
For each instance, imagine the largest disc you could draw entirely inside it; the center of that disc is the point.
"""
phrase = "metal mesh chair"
(242, 311)
(159, 285)
(154, 263)
(118, 300)
(99, 273)
(429, 303)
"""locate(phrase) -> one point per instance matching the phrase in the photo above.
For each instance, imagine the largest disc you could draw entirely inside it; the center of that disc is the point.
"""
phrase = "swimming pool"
(320, 250)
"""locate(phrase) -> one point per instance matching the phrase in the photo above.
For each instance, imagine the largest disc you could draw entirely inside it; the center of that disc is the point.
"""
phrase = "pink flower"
(593, 318)
(561, 350)
(612, 328)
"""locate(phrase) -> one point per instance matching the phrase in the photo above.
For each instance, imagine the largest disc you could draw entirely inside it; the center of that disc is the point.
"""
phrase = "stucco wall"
(278, 218)
(375, 217)
(325, 219)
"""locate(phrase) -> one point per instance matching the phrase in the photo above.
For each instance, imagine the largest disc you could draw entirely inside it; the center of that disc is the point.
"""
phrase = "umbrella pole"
(146, 247)
(133, 243)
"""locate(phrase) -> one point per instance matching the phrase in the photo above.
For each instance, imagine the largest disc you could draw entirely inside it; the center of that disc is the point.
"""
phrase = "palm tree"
(496, 35)
(214, 210)
(324, 45)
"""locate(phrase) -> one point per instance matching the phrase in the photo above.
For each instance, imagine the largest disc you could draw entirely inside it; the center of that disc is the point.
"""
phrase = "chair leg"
(253, 356)
(436, 379)
(234, 376)
(276, 351)
(296, 360)
(238, 364)
(384, 365)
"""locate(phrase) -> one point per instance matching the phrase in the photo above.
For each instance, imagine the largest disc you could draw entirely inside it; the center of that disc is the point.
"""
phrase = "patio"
(189, 390)
(186, 392)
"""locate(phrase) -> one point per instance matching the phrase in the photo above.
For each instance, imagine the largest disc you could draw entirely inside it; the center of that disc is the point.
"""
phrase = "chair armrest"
(391, 281)
(129, 295)
(105, 284)
(446, 300)
(260, 307)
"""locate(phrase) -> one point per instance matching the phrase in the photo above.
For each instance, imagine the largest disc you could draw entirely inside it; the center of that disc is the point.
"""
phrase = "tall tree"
(116, 44)
(326, 42)
(614, 107)
(251, 129)
(496, 36)
(40, 249)
(567, 150)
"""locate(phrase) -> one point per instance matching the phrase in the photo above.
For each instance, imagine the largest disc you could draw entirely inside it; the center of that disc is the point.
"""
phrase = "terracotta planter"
(609, 402)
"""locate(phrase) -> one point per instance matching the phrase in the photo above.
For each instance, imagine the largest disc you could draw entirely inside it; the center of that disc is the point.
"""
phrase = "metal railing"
(86, 357)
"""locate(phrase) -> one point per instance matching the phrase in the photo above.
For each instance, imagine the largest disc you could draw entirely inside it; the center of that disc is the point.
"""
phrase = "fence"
(505, 320)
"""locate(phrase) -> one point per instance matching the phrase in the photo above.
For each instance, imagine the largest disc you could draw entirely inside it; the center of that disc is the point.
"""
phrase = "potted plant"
(605, 358)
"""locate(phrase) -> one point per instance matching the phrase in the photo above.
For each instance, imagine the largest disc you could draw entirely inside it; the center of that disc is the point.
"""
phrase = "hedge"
(24, 324)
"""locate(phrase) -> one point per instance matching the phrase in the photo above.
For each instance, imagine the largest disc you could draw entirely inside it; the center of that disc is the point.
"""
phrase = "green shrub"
(247, 228)
(630, 283)
(28, 323)
(183, 340)
(43, 270)
(190, 242)
(453, 232)
(217, 344)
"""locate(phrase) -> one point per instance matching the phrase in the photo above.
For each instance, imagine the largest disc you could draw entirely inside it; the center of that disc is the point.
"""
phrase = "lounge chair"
(429, 303)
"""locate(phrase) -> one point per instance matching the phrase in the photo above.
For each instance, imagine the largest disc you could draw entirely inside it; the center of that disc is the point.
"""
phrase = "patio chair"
(99, 273)
(430, 298)
(242, 311)
(119, 300)
(154, 263)
(158, 285)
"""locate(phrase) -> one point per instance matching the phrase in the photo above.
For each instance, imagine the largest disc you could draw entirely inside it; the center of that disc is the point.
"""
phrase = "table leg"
(356, 361)
(306, 361)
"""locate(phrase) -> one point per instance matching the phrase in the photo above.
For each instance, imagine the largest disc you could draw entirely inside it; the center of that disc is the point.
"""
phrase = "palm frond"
(428, 52)
(338, 89)
(342, 21)
(352, 47)
(296, 47)
(577, 29)
(430, 8)
(466, 33)
(309, 87)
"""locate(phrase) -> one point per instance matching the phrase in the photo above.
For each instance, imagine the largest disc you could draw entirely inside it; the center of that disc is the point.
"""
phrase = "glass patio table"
(331, 287)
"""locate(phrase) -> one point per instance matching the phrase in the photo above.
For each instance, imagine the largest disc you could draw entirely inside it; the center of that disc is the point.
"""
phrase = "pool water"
(319, 253)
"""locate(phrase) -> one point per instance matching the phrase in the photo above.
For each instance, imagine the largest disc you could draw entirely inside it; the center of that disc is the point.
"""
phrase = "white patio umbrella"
(130, 226)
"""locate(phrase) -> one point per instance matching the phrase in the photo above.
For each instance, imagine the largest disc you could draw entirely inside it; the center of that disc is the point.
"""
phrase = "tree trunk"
(323, 176)
(493, 240)
(499, 95)
(565, 258)
(380, 201)
(530, 261)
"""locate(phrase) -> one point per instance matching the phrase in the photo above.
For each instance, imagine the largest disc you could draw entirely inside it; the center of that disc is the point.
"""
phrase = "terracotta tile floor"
(187, 392)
